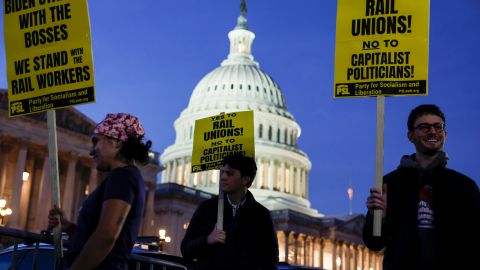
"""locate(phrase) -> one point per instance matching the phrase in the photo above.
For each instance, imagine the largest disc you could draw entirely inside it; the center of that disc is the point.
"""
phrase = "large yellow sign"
(221, 135)
(381, 48)
(49, 55)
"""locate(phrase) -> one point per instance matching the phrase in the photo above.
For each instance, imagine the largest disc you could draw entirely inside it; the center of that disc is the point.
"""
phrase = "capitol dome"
(239, 84)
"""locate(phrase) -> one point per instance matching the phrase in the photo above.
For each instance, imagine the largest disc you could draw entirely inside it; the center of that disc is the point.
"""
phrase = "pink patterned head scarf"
(120, 126)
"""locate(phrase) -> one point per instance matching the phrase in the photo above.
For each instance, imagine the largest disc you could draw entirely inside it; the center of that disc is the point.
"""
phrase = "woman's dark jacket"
(251, 241)
(456, 208)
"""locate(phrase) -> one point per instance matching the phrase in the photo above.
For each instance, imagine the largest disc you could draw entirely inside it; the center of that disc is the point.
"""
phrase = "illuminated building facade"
(306, 237)
(25, 168)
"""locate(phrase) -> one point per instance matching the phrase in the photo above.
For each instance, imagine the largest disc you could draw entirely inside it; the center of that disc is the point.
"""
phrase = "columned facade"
(326, 242)
(276, 175)
(315, 244)
(305, 236)
(25, 168)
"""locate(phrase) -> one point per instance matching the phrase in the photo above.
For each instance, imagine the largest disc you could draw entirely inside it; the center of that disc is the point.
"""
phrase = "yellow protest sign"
(221, 135)
(49, 55)
(381, 48)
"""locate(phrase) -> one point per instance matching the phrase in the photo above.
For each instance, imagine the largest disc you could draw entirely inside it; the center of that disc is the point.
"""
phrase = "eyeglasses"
(425, 127)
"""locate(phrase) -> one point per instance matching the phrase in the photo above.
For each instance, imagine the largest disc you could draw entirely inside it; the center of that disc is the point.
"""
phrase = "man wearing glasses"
(433, 216)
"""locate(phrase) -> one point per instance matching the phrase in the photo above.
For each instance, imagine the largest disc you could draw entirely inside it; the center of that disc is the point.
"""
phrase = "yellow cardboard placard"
(49, 55)
(218, 136)
(381, 48)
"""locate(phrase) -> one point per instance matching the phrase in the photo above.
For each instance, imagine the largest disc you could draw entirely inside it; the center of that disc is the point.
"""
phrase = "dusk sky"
(150, 54)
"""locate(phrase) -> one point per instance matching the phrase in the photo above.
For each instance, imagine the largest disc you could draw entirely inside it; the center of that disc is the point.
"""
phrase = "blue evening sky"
(150, 54)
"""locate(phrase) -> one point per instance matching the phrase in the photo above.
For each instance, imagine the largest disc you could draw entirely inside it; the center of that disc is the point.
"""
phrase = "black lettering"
(366, 25)
(223, 124)
(22, 66)
(34, 18)
(376, 7)
(14, 87)
(45, 35)
(381, 25)
(86, 73)
(62, 77)
(221, 133)
(381, 72)
(22, 85)
(50, 60)
(12, 6)
(370, 8)
(60, 12)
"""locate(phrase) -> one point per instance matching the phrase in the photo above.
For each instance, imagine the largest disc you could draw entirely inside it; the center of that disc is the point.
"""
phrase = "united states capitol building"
(306, 237)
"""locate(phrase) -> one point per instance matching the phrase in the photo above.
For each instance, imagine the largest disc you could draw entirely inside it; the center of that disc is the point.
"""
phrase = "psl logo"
(197, 168)
(342, 90)
(16, 107)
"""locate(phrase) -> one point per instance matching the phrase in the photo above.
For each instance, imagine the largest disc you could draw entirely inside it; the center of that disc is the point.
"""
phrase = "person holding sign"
(110, 217)
(248, 239)
(431, 214)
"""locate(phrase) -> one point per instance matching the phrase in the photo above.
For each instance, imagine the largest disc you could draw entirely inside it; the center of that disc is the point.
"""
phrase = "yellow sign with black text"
(218, 136)
(49, 55)
(381, 48)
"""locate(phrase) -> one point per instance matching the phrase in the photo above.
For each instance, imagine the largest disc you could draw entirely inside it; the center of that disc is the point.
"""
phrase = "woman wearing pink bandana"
(110, 217)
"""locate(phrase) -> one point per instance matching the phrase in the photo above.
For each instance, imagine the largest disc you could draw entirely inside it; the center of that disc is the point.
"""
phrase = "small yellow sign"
(221, 135)
(49, 55)
(381, 48)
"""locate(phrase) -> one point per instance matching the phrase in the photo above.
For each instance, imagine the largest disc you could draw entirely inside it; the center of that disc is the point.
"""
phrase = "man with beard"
(431, 214)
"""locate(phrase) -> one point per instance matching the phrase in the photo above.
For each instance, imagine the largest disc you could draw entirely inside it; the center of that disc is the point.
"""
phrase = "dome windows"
(281, 135)
(241, 47)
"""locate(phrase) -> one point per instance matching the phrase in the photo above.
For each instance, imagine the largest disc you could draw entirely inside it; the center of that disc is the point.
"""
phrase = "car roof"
(24, 246)
(157, 254)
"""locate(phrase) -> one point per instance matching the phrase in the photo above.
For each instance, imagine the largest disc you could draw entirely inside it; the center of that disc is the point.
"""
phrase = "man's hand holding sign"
(381, 50)
(233, 231)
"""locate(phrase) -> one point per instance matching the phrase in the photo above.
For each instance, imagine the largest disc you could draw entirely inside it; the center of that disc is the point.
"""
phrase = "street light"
(338, 262)
(163, 238)
(162, 234)
(4, 211)
(25, 176)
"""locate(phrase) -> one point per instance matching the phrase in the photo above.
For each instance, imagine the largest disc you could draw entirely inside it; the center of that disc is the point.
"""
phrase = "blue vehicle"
(42, 256)
(35, 256)
(37, 253)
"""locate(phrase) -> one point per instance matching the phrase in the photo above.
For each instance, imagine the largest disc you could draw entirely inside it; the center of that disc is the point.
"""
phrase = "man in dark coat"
(248, 239)
(433, 216)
